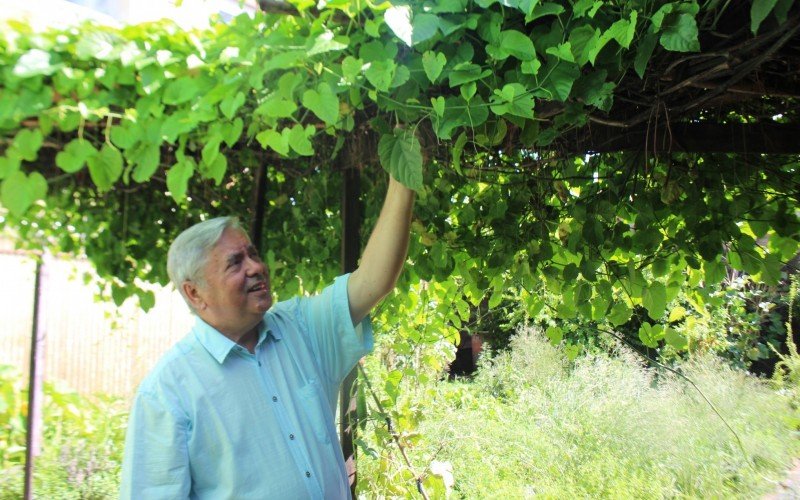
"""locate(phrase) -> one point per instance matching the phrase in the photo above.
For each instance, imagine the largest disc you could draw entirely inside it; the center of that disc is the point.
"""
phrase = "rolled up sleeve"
(339, 343)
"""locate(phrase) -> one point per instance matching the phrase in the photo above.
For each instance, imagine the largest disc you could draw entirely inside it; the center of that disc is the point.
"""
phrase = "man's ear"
(193, 293)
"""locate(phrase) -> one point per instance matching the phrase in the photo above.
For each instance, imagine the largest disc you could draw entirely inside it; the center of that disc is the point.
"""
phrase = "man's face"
(236, 293)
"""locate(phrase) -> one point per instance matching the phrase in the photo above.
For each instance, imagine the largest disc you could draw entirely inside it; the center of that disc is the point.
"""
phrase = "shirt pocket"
(315, 412)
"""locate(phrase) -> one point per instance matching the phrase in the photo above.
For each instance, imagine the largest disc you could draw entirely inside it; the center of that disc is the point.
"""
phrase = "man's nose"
(255, 267)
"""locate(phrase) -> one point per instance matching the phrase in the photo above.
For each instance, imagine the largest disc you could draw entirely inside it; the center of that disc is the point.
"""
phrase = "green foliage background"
(115, 139)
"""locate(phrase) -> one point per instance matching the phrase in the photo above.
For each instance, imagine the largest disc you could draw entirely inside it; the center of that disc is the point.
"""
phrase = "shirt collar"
(219, 346)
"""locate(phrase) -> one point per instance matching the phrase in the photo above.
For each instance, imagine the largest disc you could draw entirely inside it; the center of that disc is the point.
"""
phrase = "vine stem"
(392, 432)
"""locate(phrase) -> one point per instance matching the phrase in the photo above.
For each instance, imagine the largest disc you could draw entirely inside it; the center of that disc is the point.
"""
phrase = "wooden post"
(351, 248)
(259, 204)
(36, 376)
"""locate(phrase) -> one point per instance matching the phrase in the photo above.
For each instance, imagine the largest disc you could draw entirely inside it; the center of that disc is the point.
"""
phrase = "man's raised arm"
(385, 253)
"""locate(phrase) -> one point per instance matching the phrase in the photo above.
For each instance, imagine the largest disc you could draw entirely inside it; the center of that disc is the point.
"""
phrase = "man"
(243, 406)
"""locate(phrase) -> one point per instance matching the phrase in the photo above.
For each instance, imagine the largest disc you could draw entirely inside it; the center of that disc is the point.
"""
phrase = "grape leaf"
(401, 156)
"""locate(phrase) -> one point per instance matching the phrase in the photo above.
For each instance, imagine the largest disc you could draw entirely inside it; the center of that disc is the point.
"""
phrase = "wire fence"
(90, 346)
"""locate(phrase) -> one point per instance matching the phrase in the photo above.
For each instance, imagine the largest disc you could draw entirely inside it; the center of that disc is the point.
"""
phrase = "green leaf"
(513, 99)
(9, 165)
(433, 63)
(19, 191)
(654, 299)
(27, 143)
(659, 267)
(105, 167)
(438, 104)
(466, 72)
(681, 36)
(323, 103)
(583, 42)
(211, 149)
(125, 136)
(326, 42)
(381, 74)
(771, 275)
(643, 52)
(555, 334)
(759, 11)
(517, 44)
(425, 27)
(35, 62)
(178, 178)
(147, 158)
(232, 132)
(677, 314)
(782, 10)
(421, 28)
(651, 334)
(216, 170)
(622, 31)
(147, 300)
(714, 271)
(401, 156)
(351, 68)
(675, 339)
(458, 148)
(562, 76)
(468, 90)
(275, 140)
(231, 104)
(299, 139)
(530, 67)
(580, 7)
(572, 351)
(544, 9)
(392, 385)
(75, 155)
(177, 124)
(562, 51)
(181, 90)
(119, 294)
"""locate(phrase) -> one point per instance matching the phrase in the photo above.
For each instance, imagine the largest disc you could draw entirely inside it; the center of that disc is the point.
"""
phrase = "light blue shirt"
(214, 421)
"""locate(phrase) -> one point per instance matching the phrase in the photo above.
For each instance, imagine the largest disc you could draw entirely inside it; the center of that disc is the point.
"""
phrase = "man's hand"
(384, 255)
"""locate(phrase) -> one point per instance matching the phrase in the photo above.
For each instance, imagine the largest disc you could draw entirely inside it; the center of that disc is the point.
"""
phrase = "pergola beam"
(740, 138)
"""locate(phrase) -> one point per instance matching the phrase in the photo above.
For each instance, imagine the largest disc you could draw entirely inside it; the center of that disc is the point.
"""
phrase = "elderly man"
(243, 406)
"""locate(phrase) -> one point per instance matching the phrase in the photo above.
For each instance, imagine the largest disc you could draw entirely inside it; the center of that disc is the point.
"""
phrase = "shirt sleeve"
(156, 460)
(339, 344)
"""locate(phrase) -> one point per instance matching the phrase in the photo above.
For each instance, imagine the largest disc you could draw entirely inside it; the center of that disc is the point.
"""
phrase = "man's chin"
(263, 301)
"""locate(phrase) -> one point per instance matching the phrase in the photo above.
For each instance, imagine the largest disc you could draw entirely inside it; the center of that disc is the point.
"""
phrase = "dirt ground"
(789, 488)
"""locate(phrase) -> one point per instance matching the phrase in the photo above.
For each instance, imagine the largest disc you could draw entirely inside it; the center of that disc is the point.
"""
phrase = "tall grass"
(532, 424)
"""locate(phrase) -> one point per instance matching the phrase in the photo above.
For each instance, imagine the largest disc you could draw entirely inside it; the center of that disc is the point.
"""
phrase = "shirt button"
(259, 363)
(291, 436)
(275, 399)
(308, 474)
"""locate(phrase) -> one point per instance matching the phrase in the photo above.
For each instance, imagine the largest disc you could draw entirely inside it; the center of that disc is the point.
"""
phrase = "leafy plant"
(534, 423)
(82, 442)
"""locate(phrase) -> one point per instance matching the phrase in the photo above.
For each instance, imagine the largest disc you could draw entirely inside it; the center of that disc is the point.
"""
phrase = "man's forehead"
(232, 241)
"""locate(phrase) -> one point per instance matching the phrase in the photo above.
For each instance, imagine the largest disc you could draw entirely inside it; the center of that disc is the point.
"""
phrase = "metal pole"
(351, 247)
(36, 376)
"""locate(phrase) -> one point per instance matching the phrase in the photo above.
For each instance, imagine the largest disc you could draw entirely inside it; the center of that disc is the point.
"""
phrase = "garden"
(606, 195)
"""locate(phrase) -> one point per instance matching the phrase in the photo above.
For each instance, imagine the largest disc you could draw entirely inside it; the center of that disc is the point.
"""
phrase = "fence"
(90, 346)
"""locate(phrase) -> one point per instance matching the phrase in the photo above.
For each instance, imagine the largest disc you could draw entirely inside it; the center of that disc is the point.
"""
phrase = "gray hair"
(188, 254)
